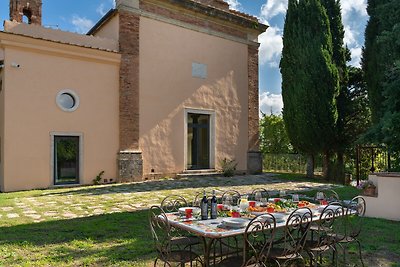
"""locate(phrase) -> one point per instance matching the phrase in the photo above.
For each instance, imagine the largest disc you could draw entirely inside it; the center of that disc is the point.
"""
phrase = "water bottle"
(213, 206)
(204, 207)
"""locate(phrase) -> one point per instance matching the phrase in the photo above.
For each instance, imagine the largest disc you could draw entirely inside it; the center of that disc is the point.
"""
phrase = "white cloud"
(273, 8)
(234, 4)
(81, 24)
(357, 6)
(101, 9)
(271, 103)
(349, 36)
(356, 54)
(271, 45)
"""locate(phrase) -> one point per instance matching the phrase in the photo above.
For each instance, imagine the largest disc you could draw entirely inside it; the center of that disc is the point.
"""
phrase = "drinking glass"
(282, 193)
(257, 196)
(295, 198)
(228, 201)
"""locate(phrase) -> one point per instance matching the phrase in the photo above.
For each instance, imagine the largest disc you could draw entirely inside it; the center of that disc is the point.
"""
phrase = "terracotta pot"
(370, 191)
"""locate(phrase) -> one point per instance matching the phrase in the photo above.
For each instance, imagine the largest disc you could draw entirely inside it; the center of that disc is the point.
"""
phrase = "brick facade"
(254, 159)
(129, 96)
(196, 21)
(32, 9)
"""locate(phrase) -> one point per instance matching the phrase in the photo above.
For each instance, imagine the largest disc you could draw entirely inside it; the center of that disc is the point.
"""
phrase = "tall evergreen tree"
(340, 56)
(381, 63)
(310, 81)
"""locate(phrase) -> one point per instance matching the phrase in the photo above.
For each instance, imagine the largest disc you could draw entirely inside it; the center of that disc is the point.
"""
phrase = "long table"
(211, 230)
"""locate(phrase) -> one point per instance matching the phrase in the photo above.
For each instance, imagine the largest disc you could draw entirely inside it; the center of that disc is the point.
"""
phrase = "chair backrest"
(259, 193)
(355, 213)
(295, 233)
(330, 225)
(333, 196)
(258, 239)
(233, 195)
(160, 231)
(173, 202)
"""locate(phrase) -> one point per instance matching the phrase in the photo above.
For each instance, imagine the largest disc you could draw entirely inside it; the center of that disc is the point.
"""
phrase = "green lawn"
(123, 239)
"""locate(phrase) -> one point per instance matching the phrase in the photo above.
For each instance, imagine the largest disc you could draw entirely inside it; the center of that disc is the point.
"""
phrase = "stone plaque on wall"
(199, 70)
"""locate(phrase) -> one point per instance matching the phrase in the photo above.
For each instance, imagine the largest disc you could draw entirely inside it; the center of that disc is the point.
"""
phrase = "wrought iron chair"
(330, 196)
(166, 248)
(232, 195)
(229, 245)
(172, 203)
(289, 247)
(326, 233)
(354, 221)
(258, 194)
(257, 243)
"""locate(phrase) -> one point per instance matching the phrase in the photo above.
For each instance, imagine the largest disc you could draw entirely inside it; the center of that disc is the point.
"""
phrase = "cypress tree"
(381, 63)
(340, 57)
(310, 81)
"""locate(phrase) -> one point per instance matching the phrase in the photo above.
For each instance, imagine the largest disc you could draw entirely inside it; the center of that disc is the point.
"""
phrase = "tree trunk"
(340, 175)
(310, 166)
(326, 165)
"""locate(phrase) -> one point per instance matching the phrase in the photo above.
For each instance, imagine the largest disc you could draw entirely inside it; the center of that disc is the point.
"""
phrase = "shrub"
(228, 167)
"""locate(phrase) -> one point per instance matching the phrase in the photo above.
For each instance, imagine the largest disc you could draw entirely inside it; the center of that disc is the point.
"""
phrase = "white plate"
(235, 222)
(331, 207)
(195, 210)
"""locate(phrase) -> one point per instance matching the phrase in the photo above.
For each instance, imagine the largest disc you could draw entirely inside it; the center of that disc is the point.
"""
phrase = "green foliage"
(381, 62)
(98, 178)
(273, 136)
(66, 150)
(228, 167)
(310, 78)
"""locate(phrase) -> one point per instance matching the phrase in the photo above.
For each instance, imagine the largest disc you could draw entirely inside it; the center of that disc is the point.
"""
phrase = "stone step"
(198, 173)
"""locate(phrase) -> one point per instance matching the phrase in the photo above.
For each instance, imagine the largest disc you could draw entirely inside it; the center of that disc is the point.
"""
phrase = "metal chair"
(258, 194)
(164, 243)
(257, 243)
(232, 195)
(289, 247)
(172, 203)
(353, 224)
(325, 233)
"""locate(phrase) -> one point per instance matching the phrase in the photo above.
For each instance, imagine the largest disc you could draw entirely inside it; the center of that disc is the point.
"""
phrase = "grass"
(122, 238)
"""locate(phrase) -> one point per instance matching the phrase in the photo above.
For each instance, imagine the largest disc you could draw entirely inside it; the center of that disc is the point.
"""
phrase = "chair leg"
(359, 252)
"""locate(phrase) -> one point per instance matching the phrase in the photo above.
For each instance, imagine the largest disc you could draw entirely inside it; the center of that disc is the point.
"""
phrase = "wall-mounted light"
(15, 65)
(1, 64)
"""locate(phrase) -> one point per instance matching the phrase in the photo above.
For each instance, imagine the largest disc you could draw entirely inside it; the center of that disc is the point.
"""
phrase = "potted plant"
(369, 188)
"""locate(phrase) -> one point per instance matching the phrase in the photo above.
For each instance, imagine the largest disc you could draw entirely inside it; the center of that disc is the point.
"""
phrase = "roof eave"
(102, 21)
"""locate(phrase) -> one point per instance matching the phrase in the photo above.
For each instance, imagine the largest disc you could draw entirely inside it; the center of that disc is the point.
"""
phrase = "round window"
(67, 100)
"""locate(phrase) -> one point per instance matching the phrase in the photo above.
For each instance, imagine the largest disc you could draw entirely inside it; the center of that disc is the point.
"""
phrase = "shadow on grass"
(104, 239)
(193, 182)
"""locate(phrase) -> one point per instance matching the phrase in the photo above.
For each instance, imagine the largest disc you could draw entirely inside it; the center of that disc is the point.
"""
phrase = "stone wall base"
(254, 162)
(130, 167)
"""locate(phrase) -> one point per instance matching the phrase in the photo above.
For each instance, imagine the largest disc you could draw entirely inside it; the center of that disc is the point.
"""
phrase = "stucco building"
(156, 87)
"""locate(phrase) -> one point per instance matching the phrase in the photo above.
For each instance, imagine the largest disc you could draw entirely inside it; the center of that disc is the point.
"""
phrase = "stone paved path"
(86, 201)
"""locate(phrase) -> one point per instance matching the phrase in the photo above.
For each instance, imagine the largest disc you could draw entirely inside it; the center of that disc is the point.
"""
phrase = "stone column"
(254, 157)
(130, 161)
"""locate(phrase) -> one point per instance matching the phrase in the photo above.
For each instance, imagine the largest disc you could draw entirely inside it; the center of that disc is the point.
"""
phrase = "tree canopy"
(381, 63)
(310, 79)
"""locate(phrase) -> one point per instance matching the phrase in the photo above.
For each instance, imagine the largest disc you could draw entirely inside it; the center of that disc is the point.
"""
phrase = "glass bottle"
(204, 207)
(214, 212)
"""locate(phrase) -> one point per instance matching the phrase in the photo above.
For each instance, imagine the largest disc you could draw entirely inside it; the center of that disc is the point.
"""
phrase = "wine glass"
(228, 201)
(257, 196)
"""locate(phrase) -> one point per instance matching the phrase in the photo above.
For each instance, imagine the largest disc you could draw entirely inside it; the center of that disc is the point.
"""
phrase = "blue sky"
(80, 15)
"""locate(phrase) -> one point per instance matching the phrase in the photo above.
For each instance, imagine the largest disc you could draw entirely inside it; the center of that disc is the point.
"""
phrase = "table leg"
(207, 250)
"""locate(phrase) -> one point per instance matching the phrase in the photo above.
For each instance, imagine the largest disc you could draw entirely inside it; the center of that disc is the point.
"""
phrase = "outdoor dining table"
(212, 229)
